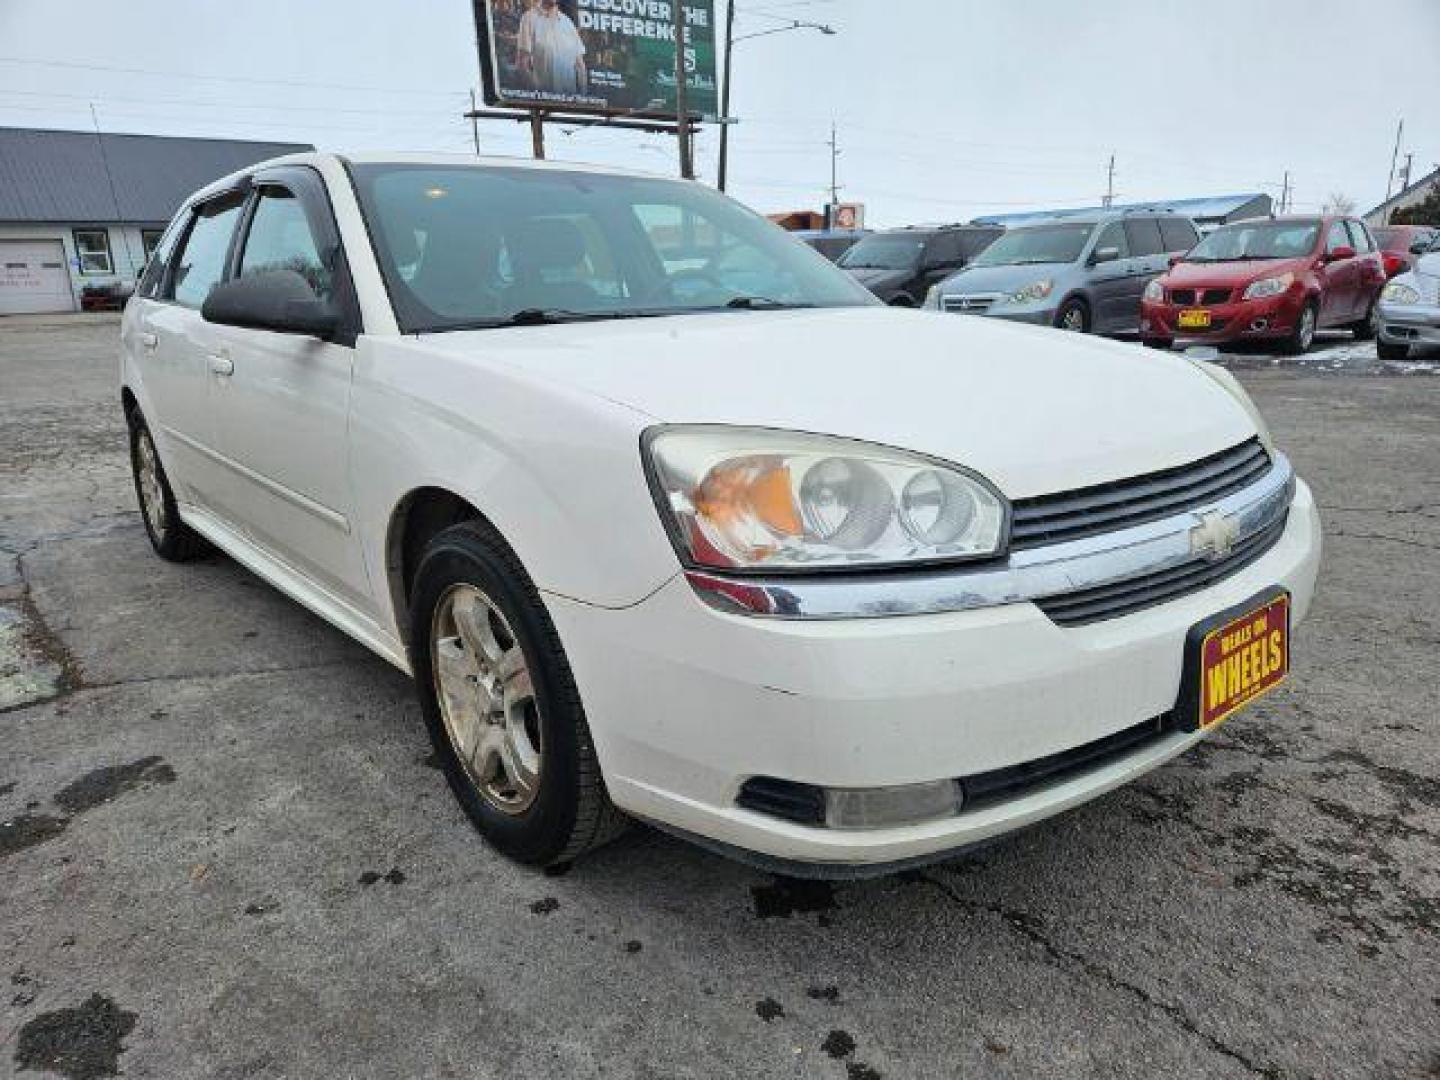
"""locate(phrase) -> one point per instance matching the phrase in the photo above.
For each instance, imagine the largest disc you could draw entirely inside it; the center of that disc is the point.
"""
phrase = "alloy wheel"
(152, 494)
(1073, 319)
(487, 698)
(1307, 328)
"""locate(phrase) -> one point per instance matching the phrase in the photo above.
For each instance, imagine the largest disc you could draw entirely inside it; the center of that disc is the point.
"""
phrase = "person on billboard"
(549, 49)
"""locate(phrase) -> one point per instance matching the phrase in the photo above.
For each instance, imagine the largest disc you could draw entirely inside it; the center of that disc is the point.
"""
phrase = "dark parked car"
(1399, 244)
(900, 265)
(832, 243)
(110, 297)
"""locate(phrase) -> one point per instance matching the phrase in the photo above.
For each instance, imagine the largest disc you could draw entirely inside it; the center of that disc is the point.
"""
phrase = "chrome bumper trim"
(1036, 573)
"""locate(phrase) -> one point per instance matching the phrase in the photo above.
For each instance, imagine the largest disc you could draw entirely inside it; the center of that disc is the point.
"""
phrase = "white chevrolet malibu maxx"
(666, 515)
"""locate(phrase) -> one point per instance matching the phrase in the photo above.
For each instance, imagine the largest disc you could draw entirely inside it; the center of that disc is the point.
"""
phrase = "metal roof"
(61, 176)
(1205, 208)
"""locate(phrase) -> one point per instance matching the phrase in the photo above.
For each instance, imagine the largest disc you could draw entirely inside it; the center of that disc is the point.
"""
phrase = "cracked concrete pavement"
(224, 851)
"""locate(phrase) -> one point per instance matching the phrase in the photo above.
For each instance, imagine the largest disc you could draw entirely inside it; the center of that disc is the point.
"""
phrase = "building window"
(150, 239)
(93, 248)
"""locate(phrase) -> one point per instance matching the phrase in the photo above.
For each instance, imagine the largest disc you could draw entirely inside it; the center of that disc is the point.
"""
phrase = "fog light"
(875, 808)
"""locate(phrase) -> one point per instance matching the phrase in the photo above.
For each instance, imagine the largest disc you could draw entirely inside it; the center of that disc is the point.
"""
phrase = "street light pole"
(730, 42)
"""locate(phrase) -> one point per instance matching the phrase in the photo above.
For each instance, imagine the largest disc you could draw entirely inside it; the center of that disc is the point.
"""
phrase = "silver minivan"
(1084, 273)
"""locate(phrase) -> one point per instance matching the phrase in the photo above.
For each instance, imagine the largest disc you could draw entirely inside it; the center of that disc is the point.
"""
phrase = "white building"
(79, 209)
(1402, 200)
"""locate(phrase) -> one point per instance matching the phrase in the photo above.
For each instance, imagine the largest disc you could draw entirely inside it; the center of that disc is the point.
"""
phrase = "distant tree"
(1339, 203)
(1425, 212)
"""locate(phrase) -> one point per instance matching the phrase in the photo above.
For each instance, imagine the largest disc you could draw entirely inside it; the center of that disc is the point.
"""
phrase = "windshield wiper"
(761, 303)
(546, 317)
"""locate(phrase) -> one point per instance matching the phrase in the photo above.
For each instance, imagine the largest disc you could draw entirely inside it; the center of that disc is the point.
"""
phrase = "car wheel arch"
(416, 519)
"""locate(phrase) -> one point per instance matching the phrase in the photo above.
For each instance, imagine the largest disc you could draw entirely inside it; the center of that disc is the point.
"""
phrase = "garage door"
(33, 277)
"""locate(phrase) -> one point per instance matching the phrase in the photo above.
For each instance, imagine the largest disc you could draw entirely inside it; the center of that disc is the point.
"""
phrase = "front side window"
(1036, 244)
(157, 258)
(475, 246)
(201, 262)
(1360, 238)
(92, 248)
(280, 239)
(1113, 236)
(1144, 237)
(1250, 240)
(1337, 238)
(150, 240)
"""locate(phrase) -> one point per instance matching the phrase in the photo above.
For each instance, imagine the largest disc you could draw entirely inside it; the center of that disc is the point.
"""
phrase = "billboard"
(615, 57)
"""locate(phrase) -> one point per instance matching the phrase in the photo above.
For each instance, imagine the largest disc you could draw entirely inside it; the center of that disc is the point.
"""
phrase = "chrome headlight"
(1154, 292)
(1268, 287)
(757, 499)
(1036, 290)
(1397, 292)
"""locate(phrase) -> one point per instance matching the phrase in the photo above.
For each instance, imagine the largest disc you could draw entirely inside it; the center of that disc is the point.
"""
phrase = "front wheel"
(501, 704)
(1366, 328)
(1158, 343)
(1073, 315)
(1303, 336)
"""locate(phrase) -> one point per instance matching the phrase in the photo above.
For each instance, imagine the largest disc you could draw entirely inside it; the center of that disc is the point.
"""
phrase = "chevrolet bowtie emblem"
(1215, 536)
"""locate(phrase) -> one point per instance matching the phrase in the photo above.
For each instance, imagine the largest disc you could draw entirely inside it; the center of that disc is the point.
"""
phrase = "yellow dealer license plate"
(1236, 657)
(1194, 319)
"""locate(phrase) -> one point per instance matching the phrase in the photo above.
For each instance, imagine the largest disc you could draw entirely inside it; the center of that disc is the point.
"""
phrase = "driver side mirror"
(1104, 255)
(1176, 259)
(1339, 253)
(278, 300)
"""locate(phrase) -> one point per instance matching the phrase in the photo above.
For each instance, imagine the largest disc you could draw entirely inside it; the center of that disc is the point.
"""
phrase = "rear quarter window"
(1178, 234)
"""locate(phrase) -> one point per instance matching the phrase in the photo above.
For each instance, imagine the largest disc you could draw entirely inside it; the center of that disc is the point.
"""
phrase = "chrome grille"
(970, 303)
(1112, 600)
(1054, 519)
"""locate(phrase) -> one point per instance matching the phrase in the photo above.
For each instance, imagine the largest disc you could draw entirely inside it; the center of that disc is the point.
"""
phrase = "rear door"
(175, 346)
(1340, 277)
(1148, 258)
(1370, 268)
(1117, 299)
(282, 401)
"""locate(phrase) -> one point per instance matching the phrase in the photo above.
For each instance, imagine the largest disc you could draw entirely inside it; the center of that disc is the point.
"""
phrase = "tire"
(518, 756)
(903, 300)
(1158, 343)
(171, 538)
(1074, 315)
(1388, 351)
(1365, 329)
(1303, 336)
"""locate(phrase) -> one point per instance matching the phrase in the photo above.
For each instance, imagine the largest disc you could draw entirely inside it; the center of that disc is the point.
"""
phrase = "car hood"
(1033, 409)
(1428, 264)
(999, 279)
(877, 277)
(1187, 275)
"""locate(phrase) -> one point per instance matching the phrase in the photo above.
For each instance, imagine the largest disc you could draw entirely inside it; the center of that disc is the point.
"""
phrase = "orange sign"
(1244, 659)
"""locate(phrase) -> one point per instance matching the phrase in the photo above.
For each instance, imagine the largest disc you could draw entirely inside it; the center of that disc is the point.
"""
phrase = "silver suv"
(1085, 272)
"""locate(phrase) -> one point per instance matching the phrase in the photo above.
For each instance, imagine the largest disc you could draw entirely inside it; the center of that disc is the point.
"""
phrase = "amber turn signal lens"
(749, 488)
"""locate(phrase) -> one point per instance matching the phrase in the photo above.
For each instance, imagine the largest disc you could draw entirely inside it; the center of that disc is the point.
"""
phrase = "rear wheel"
(501, 703)
(1074, 315)
(1388, 351)
(1303, 336)
(171, 538)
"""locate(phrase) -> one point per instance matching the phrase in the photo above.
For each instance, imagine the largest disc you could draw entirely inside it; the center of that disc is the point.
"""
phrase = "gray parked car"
(1408, 314)
(1079, 273)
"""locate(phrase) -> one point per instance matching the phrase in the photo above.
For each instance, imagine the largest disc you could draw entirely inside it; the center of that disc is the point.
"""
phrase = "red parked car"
(1399, 242)
(1271, 278)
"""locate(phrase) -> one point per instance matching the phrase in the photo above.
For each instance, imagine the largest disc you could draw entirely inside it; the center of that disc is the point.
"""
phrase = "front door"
(1341, 277)
(282, 401)
(1113, 283)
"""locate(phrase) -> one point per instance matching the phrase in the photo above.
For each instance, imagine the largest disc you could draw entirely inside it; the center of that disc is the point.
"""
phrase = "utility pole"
(1405, 173)
(474, 122)
(1110, 182)
(1394, 158)
(682, 111)
(1285, 194)
(725, 97)
(834, 176)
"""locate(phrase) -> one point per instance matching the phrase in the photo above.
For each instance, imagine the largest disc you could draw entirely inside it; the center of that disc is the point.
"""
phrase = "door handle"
(149, 340)
(221, 365)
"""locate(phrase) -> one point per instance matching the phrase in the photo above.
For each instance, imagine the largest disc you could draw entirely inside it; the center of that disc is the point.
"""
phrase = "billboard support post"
(537, 134)
(725, 97)
(682, 113)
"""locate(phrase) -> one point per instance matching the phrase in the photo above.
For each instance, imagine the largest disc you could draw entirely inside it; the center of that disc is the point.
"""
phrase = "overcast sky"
(945, 110)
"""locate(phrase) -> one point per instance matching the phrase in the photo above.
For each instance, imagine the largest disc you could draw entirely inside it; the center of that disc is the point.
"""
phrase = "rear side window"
(945, 250)
(1144, 237)
(152, 281)
(201, 262)
(1178, 234)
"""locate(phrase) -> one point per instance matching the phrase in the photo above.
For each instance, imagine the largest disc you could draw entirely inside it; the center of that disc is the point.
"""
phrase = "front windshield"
(1257, 240)
(884, 253)
(1036, 244)
(478, 246)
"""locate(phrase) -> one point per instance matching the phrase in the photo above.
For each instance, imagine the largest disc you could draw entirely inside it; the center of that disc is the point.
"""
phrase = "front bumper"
(1409, 324)
(1239, 320)
(686, 703)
